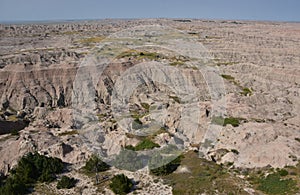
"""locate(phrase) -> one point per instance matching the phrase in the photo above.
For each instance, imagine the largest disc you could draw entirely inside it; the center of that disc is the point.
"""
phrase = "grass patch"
(145, 106)
(275, 184)
(246, 91)
(227, 77)
(204, 177)
(275, 181)
(177, 63)
(166, 169)
(145, 144)
(219, 120)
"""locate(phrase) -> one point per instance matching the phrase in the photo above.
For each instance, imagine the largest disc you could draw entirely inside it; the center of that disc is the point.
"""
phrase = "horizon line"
(141, 18)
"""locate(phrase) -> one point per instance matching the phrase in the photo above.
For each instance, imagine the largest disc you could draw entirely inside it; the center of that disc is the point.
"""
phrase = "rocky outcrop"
(40, 62)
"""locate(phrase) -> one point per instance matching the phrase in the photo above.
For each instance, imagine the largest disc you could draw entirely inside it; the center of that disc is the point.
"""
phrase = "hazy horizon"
(15, 11)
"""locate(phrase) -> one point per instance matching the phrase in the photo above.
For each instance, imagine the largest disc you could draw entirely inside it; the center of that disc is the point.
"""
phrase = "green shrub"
(30, 169)
(95, 164)
(246, 91)
(166, 168)
(121, 184)
(36, 167)
(234, 151)
(66, 183)
(283, 172)
(232, 121)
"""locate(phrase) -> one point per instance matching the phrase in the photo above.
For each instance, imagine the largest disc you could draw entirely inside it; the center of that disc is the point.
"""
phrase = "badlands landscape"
(176, 106)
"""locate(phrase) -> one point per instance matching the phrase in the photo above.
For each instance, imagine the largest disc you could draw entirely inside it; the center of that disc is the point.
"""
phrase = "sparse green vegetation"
(176, 99)
(219, 120)
(275, 184)
(275, 181)
(95, 164)
(283, 172)
(140, 55)
(137, 124)
(227, 77)
(145, 106)
(121, 184)
(166, 168)
(30, 169)
(66, 183)
(234, 151)
(145, 144)
(177, 63)
(203, 177)
(101, 117)
(246, 91)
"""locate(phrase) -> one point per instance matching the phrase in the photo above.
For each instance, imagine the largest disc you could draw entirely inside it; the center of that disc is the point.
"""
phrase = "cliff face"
(257, 62)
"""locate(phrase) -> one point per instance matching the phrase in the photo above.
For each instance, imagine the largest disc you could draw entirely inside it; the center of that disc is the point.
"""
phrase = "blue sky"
(23, 10)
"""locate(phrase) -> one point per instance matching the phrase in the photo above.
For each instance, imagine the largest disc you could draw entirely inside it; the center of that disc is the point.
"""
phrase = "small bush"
(95, 164)
(31, 168)
(121, 184)
(246, 91)
(66, 183)
(232, 121)
(234, 151)
(167, 168)
(283, 172)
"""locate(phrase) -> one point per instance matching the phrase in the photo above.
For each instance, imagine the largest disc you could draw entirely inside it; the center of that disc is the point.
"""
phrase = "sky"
(41, 10)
